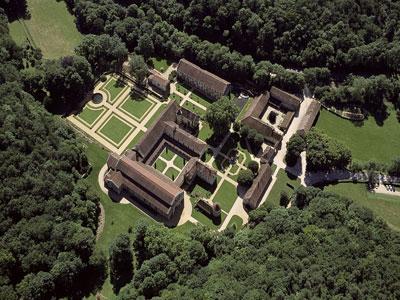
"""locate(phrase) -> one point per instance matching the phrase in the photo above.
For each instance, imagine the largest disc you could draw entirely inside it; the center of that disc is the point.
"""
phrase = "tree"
(103, 52)
(245, 177)
(244, 131)
(121, 261)
(284, 199)
(145, 46)
(294, 147)
(67, 80)
(394, 168)
(221, 114)
(253, 166)
(138, 68)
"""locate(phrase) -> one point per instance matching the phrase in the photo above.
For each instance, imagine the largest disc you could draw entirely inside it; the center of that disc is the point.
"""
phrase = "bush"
(284, 199)
(172, 76)
(245, 177)
(272, 117)
(103, 78)
(244, 131)
(236, 127)
(253, 166)
(258, 139)
(252, 134)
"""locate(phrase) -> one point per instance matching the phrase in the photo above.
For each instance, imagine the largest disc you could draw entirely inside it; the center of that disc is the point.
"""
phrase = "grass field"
(226, 196)
(160, 64)
(235, 221)
(17, 32)
(172, 173)
(367, 142)
(90, 115)
(282, 184)
(201, 100)
(114, 87)
(385, 206)
(52, 28)
(179, 162)
(137, 106)
(115, 129)
(182, 89)
(167, 153)
(194, 108)
(176, 98)
(160, 165)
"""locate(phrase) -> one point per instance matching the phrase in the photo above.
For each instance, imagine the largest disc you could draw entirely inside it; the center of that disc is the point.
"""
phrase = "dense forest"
(48, 218)
(324, 247)
(354, 44)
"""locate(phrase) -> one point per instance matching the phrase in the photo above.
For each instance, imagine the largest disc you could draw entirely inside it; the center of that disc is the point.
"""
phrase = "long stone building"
(208, 84)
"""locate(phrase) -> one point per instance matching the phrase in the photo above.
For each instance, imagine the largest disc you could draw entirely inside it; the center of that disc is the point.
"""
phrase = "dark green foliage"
(138, 68)
(221, 114)
(236, 126)
(244, 131)
(394, 168)
(295, 145)
(325, 153)
(67, 80)
(330, 249)
(245, 177)
(284, 199)
(253, 166)
(103, 52)
(48, 218)
(121, 262)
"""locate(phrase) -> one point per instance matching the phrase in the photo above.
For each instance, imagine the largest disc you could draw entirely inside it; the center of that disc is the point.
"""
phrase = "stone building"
(159, 84)
(208, 84)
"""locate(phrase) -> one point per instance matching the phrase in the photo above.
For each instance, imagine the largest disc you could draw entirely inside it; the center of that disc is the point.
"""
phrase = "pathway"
(113, 109)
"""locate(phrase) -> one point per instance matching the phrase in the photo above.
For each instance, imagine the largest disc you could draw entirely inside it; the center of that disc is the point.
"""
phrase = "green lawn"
(90, 115)
(167, 153)
(367, 142)
(160, 165)
(172, 173)
(282, 184)
(115, 129)
(235, 221)
(179, 162)
(155, 115)
(114, 87)
(182, 89)
(137, 106)
(226, 195)
(135, 140)
(201, 100)
(160, 64)
(205, 132)
(385, 206)
(205, 220)
(244, 109)
(176, 98)
(194, 108)
(17, 32)
(52, 28)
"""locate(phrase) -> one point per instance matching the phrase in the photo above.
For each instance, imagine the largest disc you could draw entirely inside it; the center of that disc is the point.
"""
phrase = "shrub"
(272, 117)
(244, 131)
(236, 127)
(103, 78)
(245, 177)
(284, 200)
(258, 139)
(253, 166)
(252, 134)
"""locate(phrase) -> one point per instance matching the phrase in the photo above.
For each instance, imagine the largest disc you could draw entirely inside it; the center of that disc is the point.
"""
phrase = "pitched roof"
(288, 100)
(158, 80)
(287, 120)
(207, 78)
(257, 189)
(309, 118)
(257, 106)
(148, 179)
